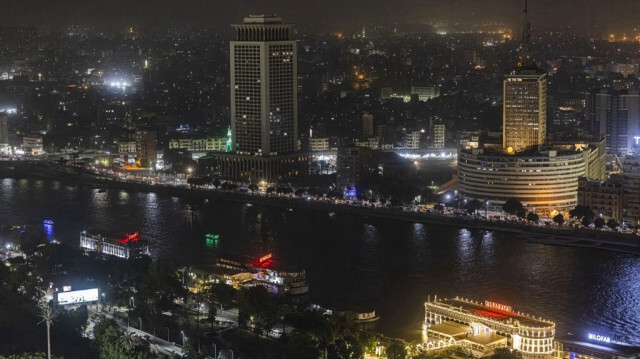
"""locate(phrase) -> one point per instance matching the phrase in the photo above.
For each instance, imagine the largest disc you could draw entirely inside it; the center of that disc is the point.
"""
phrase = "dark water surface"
(389, 266)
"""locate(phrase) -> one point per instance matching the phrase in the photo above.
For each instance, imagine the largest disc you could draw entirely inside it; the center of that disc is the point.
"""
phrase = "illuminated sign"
(78, 296)
(265, 258)
(636, 141)
(128, 238)
(599, 338)
(498, 306)
(212, 239)
(66, 288)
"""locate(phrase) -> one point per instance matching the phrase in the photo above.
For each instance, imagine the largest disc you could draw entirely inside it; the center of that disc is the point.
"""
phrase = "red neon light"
(265, 258)
(486, 313)
(129, 238)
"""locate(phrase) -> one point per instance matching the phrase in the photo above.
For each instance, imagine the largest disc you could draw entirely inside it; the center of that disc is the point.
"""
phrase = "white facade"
(544, 181)
(425, 93)
(319, 144)
(100, 244)
(199, 144)
(412, 140)
(532, 337)
(438, 136)
(128, 147)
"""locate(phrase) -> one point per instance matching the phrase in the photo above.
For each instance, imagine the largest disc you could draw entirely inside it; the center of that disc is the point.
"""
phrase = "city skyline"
(615, 15)
(318, 186)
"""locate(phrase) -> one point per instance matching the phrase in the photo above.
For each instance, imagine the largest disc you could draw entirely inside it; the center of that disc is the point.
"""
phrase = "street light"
(140, 323)
(132, 302)
(182, 332)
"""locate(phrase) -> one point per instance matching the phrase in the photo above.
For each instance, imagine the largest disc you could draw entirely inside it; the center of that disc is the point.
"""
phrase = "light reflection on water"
(388, 266)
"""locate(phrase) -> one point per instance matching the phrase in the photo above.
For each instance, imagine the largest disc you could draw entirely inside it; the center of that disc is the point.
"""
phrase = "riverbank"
(603, 240)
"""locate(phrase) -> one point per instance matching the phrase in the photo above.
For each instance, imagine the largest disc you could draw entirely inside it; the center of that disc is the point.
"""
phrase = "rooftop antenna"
(525, 58)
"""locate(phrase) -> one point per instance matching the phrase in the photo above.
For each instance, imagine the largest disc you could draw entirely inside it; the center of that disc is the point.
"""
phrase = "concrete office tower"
(524, 100)
(615, 115)
(264, 110)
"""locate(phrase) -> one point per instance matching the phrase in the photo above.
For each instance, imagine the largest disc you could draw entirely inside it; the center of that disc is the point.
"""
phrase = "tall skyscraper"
(524, 100)
(264, 110)
(615, 115)
(264, 105)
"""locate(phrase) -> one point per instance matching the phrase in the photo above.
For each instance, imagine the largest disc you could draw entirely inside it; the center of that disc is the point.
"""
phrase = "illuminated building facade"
(480, 328)
(319, 144)
(605, 198)
(264, 105)
(524, 109)
(615, 115)
(264, 88)
(254, 168)
(146, 148)
(631, 183)
(264, 271)
(544, 180)
(126, 246)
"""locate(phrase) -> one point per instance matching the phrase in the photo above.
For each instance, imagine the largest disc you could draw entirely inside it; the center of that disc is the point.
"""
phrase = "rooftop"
(451, 328)
(486, 338)
(505, 316)
(263, 19)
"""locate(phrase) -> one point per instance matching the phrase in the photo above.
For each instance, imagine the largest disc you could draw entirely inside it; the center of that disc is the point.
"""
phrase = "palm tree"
(127, 341)
(48, 315)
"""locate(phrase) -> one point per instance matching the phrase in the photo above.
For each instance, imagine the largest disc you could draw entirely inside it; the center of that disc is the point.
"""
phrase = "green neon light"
(229, 145)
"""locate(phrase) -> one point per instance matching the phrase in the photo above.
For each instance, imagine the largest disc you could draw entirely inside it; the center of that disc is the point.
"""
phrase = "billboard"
(78, 296)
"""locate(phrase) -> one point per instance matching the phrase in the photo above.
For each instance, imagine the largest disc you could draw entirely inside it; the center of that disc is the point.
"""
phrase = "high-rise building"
(524, 101)
(631, 181)
(264, 105)
(524, 109)
(352, 166)
(264, 113)
(615, 115)
(367, 126)
(146, 148)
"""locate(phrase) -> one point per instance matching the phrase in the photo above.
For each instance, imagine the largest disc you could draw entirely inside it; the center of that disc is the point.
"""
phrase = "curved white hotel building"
(480, 328)
(544, 180)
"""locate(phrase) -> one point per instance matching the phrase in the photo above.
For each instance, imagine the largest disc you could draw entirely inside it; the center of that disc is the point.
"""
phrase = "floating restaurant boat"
(480, 328)
(264, 271)
(122, 246)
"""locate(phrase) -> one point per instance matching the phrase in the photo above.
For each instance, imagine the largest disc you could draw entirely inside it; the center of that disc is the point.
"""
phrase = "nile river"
(386, 265)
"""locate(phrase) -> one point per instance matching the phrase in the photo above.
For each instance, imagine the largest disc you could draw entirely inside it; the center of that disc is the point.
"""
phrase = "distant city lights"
(428, 156)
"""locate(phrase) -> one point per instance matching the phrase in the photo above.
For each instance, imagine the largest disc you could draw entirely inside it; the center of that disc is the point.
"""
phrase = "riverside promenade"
(551, 235)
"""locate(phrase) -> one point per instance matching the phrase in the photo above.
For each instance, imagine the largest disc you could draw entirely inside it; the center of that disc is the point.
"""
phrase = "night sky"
(581, 14)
